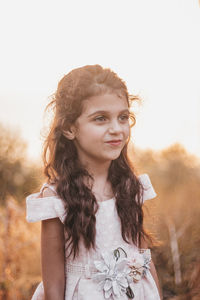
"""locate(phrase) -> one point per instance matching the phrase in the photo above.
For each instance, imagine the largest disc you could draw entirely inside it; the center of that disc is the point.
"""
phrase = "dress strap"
(47, 185)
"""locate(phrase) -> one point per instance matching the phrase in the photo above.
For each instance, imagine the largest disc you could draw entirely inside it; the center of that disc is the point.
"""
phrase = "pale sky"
(153, 45)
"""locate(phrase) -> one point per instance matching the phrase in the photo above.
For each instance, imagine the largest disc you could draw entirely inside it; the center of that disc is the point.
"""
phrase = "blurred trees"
(18, 240)
(17, 175)
(19, 253)
(174, 216)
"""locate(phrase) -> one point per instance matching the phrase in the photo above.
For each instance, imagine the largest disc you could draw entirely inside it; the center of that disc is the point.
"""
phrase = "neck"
(97, 169)
(100, 186)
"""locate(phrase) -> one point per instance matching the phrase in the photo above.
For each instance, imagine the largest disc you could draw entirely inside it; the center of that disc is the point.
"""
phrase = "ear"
(70, 133)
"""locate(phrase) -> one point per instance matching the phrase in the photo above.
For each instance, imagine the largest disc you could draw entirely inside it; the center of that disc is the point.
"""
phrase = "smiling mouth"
(114, 142)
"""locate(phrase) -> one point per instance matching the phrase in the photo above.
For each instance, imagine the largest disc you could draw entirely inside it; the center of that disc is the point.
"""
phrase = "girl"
(93, 244)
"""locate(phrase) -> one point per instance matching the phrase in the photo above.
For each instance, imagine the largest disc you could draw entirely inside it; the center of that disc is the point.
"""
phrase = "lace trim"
(86, 270)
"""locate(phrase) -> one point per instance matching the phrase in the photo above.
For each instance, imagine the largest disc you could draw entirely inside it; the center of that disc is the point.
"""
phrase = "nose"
(115, 127)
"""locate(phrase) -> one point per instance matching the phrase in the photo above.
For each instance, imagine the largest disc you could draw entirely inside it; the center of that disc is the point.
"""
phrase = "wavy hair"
(63, 168)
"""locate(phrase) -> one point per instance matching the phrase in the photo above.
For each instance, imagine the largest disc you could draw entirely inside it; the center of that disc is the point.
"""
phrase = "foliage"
(175, 175)
(17, 175)
(19, 252)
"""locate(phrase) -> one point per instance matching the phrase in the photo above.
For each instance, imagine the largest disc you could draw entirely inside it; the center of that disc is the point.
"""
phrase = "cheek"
(95, 131)
(127, 131)
(92, 134)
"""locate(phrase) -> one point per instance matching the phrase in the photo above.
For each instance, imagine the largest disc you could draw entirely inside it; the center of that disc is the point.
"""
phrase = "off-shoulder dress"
(80, 282)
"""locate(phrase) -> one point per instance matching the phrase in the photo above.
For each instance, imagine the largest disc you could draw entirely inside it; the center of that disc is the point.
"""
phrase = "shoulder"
(148, 189)
(44, 205)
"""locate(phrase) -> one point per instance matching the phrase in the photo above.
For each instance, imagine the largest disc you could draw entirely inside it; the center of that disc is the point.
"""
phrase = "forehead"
(106, 102)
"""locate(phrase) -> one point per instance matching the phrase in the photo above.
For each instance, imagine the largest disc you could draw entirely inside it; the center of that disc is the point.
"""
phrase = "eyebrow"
(106, 112)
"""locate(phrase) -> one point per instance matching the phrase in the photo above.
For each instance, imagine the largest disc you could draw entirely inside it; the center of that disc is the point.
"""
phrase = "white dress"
(80, 283)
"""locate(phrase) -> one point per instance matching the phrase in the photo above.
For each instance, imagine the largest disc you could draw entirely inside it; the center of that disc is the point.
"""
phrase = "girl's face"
(102, 129)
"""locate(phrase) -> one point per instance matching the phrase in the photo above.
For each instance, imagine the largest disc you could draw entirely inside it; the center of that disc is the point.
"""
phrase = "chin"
(113, 157)
(106, 157)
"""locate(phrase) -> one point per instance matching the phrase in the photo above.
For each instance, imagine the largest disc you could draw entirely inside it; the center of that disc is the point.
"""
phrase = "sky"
(153, 45)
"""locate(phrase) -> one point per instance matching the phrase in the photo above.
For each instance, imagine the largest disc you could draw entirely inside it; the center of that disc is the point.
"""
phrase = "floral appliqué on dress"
(115, 272)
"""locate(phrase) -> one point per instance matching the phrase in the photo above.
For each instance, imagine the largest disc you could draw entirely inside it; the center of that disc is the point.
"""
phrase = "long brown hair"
(63, 168)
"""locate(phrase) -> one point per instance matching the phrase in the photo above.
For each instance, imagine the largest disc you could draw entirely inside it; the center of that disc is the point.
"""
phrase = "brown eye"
(100, 118)
(124, 117)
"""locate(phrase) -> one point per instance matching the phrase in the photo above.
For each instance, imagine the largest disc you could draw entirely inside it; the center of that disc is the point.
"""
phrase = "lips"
(114, 142)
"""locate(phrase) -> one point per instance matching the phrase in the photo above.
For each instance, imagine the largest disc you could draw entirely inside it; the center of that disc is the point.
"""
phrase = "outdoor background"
(154, 46)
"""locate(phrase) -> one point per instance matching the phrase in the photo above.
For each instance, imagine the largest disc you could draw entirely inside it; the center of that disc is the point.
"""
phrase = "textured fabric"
(44, 208)
(79, 282)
